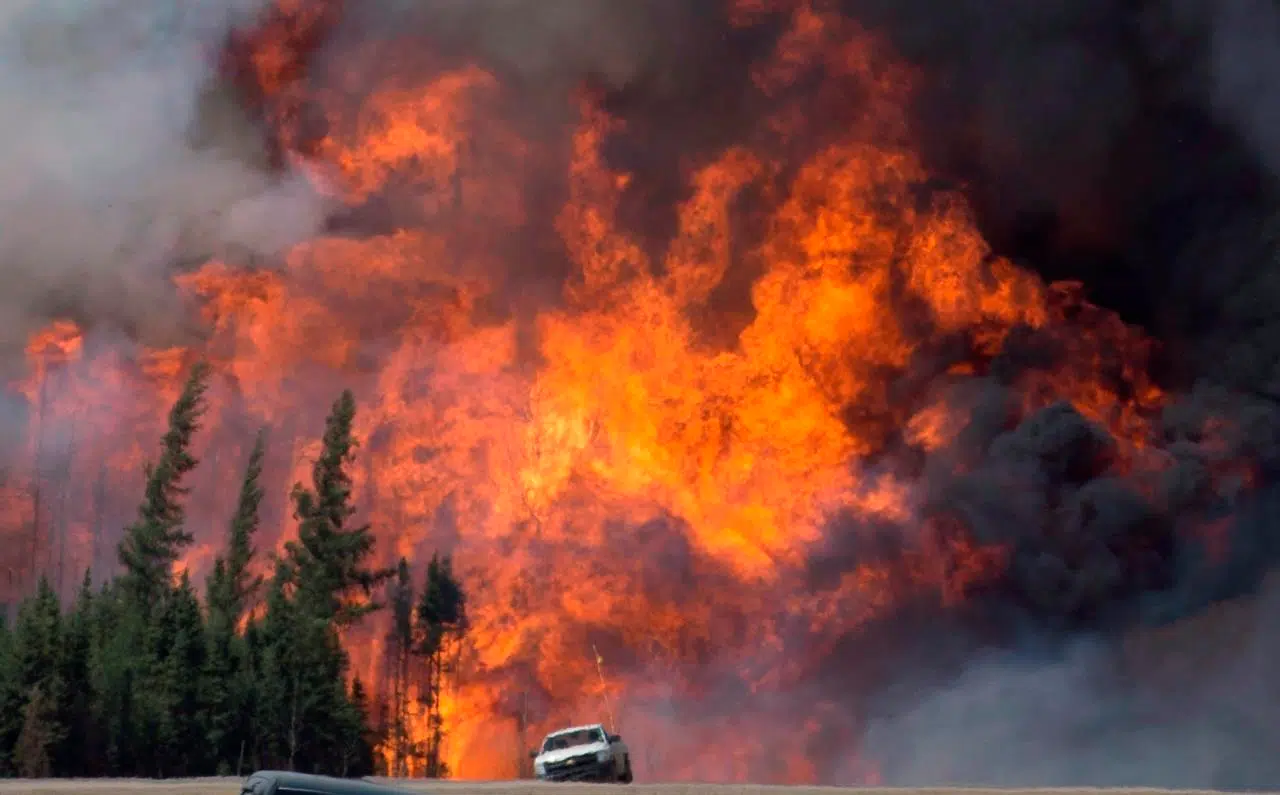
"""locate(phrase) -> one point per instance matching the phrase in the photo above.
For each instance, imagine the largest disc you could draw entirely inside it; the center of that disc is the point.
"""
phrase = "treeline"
(145, 676)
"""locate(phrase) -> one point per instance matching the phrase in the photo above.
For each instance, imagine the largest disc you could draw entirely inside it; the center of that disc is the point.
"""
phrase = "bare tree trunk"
(402, 676)
(390, 737)
(435, 680)
(397, 714)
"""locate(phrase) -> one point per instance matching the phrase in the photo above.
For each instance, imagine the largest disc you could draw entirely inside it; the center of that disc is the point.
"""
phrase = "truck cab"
(582, 753)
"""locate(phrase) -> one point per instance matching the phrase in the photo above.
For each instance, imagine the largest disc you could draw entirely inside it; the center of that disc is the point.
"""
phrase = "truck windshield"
(558, 742)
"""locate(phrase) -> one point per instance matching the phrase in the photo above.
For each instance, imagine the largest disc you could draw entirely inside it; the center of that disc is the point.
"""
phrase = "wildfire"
(605, 471)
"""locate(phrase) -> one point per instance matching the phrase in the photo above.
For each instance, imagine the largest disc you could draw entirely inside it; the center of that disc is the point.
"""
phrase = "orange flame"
(608, 472)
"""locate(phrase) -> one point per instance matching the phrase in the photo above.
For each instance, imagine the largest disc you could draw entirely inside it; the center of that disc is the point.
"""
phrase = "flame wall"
(740, 398)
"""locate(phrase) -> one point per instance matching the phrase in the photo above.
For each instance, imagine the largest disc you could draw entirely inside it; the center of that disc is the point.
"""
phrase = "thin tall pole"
(604, 689)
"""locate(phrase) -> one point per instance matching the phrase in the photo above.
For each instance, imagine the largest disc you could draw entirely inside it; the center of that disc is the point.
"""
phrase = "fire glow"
(606, 471)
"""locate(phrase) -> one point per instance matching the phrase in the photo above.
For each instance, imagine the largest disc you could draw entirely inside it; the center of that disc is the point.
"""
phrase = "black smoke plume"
(1129, 145)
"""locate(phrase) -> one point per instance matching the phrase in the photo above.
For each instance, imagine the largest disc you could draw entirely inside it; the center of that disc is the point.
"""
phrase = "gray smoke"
(1132, 146)
(1244, 59)
(548, 44)
(1186, 707)
(125, 160)
(1128, 641)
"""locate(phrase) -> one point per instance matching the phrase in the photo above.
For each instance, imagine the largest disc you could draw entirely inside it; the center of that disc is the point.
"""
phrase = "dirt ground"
(229, 786)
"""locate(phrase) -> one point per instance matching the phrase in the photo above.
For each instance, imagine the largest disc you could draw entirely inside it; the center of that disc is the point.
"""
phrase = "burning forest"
(830, 391)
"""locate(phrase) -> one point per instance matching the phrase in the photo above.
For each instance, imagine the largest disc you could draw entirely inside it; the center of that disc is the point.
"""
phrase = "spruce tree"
(335, 579)
(33, 756)
(80, 748)
(303, 707)
(249, 747)
(154, 542)
(227, 683)
(140, 693)
(442, 611)
(113, 671)
(442, 623)
(273, 651)
(11, 698)
(183, 748)
(232, 587)
(325, 584)
(359, 741)
(38, 642)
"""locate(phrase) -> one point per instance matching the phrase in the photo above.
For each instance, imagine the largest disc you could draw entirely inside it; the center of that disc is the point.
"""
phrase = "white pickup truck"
(582, 753)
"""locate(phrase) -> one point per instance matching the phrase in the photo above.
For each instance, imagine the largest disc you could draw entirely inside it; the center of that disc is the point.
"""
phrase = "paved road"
(229, 786)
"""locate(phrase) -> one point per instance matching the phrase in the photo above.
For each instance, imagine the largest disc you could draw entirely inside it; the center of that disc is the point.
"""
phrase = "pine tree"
(275, 735)
(138, 679)
(139, 687)
(113, 671)
(76, 754)
(38, 642)
(360, 740)
(154, 542)
(33, 756)
(182, 742)
(232, 587)
(227, 682)
(324, 585)
(38, 637)
(304, 675)
(11, 698)
(331, 557)
(442, 623)
(249, 750)
(228, 701)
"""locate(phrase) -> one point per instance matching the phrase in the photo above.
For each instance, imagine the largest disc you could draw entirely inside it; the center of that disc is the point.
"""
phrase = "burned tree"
(442, 624)
(400, 654)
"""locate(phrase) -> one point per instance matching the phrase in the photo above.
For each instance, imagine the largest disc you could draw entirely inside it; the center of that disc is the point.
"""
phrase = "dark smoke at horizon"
(1131, 146)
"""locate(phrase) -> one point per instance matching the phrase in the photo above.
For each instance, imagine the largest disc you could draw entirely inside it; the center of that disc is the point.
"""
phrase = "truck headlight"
(603, 756)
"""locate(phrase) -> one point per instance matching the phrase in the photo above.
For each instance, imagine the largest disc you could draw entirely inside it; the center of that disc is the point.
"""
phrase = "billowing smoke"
(1124, 144)
(1130, 146)
(124, 161)
(1185, 707)
(551, 46)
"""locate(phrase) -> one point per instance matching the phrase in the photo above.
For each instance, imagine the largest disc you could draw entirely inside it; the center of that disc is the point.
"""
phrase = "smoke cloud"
(1184, 708)
(124, 160)
(1244, 53)
(1130, 147)
(557, 43)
